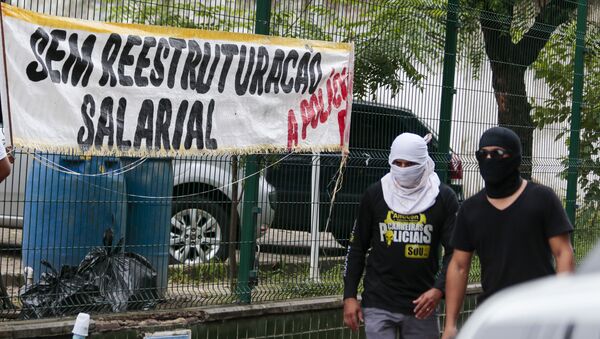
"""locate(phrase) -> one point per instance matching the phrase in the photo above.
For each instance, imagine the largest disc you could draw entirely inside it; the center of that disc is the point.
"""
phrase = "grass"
(286, 280)
(295, 279)
(212, 272)
(290, 279)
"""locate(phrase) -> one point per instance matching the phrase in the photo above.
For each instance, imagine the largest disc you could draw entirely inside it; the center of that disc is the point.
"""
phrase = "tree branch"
(496, 32)
(552, 15)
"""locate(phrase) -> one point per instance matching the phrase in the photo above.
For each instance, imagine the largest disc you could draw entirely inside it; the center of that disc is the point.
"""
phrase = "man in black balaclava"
(500, 173)
(517, 227)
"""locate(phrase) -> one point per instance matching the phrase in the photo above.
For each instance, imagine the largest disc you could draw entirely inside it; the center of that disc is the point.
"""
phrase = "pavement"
(274, 240)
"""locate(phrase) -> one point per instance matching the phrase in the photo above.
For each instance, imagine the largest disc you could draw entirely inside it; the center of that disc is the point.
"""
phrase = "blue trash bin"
(65, 215)
(149, 188)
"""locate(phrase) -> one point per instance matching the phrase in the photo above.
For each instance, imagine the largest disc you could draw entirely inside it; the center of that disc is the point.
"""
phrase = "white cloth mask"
(413, 189)
(408, 177)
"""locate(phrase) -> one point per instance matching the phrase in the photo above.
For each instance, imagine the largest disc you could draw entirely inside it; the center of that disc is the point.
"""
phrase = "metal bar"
(315, 216)
(10, 221)
(263, 17)
(249, 210)
(247, 240)
(448, 90)
(578, 70)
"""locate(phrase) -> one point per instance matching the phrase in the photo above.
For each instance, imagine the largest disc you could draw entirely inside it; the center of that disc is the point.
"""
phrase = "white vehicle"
(557, 307)
(200, 222)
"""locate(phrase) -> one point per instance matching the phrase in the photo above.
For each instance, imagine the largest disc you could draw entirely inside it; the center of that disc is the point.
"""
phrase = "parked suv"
(372, 131)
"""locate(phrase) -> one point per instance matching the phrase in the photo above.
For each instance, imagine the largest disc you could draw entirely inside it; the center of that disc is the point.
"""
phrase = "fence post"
(249, 209)
(578, 70)
(448, 90)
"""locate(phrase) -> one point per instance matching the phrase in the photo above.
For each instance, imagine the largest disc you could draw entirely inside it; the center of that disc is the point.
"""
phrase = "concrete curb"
(255, 310)
(160, 320)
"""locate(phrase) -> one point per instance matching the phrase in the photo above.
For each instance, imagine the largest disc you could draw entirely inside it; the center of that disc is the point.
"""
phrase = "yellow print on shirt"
(416, 251)
(389, 237)
(393, 217)
(410, 230)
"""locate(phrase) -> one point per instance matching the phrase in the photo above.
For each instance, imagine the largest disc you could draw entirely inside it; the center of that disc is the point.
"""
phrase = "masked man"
(515, 226)
(402, 220)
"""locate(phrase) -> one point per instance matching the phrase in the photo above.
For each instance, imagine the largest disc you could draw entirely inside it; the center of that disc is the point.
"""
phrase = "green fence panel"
(513, 68)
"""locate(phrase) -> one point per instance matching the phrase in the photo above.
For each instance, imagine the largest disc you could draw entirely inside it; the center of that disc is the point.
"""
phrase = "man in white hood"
(402, 221)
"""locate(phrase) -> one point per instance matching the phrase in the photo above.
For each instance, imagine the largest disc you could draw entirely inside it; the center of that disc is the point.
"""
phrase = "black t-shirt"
(404, 251)
(512, 244)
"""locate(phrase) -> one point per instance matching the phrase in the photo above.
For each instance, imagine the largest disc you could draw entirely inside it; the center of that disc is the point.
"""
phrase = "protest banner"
(124, 89)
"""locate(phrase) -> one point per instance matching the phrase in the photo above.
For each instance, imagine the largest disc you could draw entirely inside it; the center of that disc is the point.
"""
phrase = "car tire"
(199, 231)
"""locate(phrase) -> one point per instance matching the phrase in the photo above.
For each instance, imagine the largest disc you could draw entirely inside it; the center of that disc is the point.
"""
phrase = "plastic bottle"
(28, 273)
(82, 324)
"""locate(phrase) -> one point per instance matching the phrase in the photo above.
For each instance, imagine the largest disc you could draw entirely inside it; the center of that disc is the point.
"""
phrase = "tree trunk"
(509, 61)
(514, 110)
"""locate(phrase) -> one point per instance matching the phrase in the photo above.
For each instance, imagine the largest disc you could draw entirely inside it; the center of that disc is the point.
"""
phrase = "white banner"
(124, 89)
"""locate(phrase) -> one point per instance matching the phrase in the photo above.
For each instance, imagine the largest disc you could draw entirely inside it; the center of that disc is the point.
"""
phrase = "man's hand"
(9, 154)
(426, 303)
(352, 313)
(449, 333)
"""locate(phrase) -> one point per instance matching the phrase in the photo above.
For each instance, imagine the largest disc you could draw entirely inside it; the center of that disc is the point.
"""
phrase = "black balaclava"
(502, 177)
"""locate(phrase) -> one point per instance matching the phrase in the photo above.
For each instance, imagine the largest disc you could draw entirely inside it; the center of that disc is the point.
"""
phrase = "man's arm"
(4, 172)
(358, 245)
(562, 252)
(451, 204)
(4, 168)
(427, 302)
(456, 285)
(557, 228)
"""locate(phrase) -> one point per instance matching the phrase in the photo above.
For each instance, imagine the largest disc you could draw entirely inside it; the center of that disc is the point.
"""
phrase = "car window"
(375, 127)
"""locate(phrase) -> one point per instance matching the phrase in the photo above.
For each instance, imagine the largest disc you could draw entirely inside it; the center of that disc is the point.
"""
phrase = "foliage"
(555, 67)
(513, 18)
(396, 41)
(183, 14)
(399, 42)
(587, 230)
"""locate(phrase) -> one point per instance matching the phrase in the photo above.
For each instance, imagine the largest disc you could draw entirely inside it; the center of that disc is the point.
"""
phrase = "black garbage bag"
(5, 302)
(127, 281)
(60, 293)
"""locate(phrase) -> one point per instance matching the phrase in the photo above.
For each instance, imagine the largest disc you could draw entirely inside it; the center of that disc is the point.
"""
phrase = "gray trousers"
(382, 324)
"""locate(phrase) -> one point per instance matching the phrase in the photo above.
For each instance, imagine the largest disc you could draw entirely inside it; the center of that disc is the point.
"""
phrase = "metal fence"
(450, 68)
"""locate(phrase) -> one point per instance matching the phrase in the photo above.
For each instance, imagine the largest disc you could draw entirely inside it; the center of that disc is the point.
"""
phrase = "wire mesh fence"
(183, 216)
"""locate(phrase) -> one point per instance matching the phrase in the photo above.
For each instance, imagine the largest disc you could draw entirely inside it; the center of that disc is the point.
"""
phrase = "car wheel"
(199, 231)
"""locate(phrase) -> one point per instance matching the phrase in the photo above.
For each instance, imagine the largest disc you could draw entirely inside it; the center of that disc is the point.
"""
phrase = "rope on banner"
(57, 167)
(337, 187)
(81, 178)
